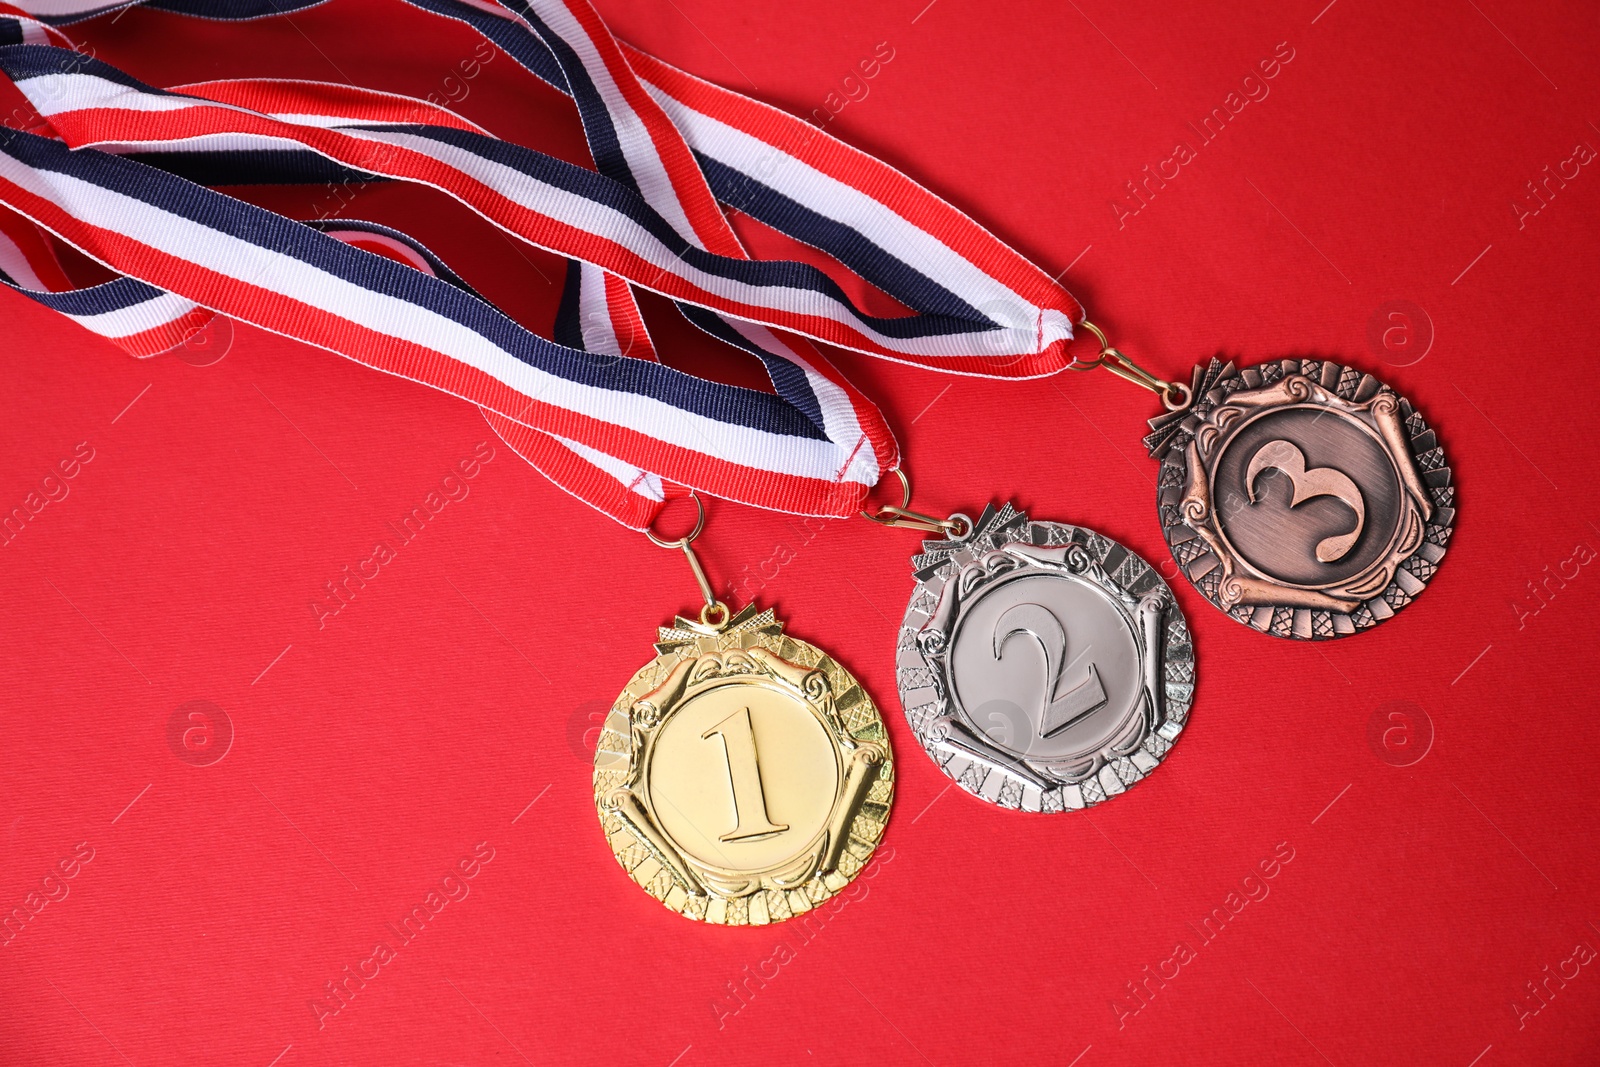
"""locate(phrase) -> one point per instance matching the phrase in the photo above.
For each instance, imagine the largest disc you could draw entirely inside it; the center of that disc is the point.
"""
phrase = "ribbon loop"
(595, 410)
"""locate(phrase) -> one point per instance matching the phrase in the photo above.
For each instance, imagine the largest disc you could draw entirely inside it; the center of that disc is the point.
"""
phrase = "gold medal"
(743, 777)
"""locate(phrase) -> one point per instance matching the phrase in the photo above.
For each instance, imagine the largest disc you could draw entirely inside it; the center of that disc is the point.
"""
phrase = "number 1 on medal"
(744, 777)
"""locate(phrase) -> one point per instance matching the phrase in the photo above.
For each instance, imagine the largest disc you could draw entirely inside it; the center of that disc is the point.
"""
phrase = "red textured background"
(466, 680)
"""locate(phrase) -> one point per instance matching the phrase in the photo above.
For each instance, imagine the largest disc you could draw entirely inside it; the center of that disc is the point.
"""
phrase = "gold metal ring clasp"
(1174, 395)
(956, 526)
(681, 542)
(714, 613)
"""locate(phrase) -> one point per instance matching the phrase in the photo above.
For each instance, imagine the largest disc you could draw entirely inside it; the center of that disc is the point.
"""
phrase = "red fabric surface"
(411, 731)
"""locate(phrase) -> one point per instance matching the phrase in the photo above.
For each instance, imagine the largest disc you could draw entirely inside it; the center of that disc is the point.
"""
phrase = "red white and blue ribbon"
(667, 147)
(223, 254)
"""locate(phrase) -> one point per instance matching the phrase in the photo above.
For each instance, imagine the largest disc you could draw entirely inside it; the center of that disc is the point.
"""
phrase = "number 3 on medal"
(1308, 484)
(744, 778)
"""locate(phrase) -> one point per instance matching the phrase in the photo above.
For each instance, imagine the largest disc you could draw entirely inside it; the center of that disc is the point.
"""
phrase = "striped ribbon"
(620, 431)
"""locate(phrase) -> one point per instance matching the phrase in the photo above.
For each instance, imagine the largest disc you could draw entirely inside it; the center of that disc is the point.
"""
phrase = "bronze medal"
(1304, 498)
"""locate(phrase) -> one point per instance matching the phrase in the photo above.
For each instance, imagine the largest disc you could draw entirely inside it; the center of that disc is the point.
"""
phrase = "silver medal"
(1042, 666)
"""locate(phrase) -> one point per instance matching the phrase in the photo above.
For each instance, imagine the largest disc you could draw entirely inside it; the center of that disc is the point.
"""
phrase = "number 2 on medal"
(1060, 708)
(744, 778)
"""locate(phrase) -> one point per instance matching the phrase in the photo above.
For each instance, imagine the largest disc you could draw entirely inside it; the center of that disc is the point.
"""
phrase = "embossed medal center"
(1307, 496)
(743, 777)
(1046, 666)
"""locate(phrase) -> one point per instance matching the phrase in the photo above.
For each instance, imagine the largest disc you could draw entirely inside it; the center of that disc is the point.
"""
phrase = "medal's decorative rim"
(993, 774)
(1202, 552)
(750, 649)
